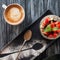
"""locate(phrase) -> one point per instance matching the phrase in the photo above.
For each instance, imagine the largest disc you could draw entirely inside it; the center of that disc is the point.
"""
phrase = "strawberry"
(56, 22)
(45, 33)
(59, 22)
(44, 24)
(47, 20)
(50, 36)
(58, 25)
(55, 31)
(52, 25)
(58, 30)
(55, 35)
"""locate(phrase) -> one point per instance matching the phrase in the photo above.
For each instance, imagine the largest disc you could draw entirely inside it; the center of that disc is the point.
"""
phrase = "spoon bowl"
(27, 35)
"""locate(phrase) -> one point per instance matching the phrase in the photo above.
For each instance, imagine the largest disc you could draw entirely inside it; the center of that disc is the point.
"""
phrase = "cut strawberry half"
(47, 20)
(50, 36)
(58, 25)
(52, 25)
(46, 33)
(56, 22)
(55, 31)
(44, 24)
(55, 35)
(58, 30)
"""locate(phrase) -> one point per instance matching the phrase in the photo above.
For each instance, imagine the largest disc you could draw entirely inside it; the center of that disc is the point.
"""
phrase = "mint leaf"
(48, 28)
(55, 28)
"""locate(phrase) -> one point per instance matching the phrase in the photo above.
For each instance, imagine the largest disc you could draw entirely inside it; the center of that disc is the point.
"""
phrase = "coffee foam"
(14, 13)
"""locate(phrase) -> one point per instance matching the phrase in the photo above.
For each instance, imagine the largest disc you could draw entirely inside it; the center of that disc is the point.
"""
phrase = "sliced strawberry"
(56, 22)
(55, 35)
(52, 25)
(58, 25)
(54, 31)
(46, 33)
(58, 30)
(50, 36)
(44, 24)
(47, 20)
(59, 22)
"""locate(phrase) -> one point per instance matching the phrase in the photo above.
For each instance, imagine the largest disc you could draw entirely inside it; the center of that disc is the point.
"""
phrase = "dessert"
(50, 27)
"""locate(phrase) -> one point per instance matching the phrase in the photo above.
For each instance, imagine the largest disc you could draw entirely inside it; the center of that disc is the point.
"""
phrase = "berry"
(47, 20)
(50, 36)
(58, 25)
(58, 30)
(45, 33)
(56, 22)
(52, 25)
(44, 24)
(55, 35)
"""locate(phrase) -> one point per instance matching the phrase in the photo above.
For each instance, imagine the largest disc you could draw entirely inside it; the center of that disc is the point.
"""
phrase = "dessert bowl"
(50, 27)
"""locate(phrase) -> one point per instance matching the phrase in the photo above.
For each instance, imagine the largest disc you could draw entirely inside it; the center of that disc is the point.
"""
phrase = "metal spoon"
(27, 37)
(36, 46)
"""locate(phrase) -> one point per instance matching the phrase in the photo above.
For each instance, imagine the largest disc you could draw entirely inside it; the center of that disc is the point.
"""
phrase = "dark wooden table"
(33, 10)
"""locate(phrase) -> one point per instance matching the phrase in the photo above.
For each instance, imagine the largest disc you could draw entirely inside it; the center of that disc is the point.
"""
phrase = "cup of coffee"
(14, 14)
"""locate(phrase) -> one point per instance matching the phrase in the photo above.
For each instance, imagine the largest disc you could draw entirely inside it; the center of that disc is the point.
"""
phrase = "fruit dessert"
(50, 27)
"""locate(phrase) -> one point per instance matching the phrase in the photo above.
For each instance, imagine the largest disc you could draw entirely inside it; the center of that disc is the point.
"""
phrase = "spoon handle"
(21, 49)
(6, 54)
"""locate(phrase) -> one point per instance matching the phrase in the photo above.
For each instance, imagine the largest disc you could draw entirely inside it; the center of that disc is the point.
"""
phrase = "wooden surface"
(33, 10)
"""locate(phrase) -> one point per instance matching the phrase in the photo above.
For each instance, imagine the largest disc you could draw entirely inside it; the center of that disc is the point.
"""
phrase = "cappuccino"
(14, 14)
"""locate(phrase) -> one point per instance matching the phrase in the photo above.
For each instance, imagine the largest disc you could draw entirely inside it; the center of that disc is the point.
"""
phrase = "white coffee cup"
(14, 14)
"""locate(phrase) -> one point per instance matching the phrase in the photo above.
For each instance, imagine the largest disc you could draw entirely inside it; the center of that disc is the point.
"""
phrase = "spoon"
(36, 46)
(27, 37)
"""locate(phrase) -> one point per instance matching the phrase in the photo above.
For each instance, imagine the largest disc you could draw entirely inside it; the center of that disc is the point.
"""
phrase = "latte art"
(14, 14)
